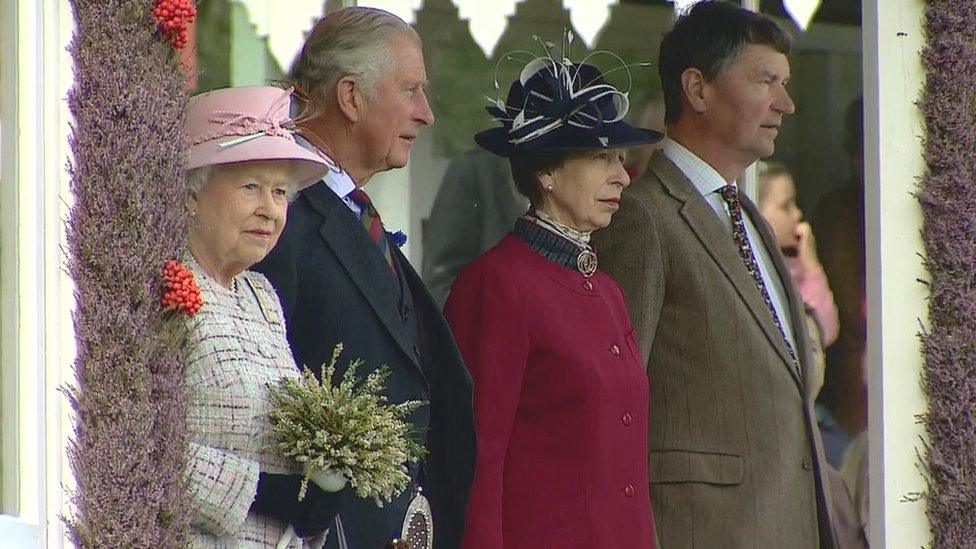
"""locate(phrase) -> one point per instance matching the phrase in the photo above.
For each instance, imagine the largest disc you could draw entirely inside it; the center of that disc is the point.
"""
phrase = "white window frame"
(36, 333)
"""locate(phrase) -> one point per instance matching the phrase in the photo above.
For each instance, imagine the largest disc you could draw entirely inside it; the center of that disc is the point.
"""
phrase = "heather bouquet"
(348, 429)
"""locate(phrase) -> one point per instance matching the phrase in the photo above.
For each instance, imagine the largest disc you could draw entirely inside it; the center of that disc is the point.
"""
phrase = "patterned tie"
(372, 223)
(731, 195)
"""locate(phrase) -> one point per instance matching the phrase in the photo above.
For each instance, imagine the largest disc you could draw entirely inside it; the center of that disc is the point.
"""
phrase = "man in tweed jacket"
(735, 457)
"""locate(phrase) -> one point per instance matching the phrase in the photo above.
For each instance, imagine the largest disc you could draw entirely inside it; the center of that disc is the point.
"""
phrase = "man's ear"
(350, 98)
(693, 88)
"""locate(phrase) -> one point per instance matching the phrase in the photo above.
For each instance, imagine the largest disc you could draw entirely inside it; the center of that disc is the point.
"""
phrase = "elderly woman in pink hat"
(244, 166)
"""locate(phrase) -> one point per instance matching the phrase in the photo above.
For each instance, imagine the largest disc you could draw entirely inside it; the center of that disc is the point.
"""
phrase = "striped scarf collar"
(556, 242)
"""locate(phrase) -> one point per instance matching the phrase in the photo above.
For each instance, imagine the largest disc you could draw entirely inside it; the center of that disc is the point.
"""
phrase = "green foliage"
(350, 429)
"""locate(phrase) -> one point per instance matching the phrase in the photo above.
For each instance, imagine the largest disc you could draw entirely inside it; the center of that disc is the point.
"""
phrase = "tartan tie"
(741, 240)
(372, 223)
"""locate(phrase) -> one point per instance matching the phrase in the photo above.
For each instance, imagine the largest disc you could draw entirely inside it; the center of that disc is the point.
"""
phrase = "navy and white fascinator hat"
(558, 106)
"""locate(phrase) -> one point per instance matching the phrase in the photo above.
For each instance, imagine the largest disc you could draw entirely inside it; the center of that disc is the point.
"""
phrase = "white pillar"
(893, 128)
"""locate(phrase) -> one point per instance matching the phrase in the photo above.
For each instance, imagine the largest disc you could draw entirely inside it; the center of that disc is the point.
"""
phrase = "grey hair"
(351, 41)
(197, 178)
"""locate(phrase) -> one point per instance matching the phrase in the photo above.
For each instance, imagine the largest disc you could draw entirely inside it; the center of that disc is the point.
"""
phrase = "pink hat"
(247, 123)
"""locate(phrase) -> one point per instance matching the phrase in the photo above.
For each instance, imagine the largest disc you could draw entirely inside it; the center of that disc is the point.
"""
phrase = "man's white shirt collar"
(337, 180)
(340, 183)
(708, 181)
(704, 177)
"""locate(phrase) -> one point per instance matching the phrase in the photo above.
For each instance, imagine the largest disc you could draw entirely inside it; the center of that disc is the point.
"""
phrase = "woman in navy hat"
(560, 393)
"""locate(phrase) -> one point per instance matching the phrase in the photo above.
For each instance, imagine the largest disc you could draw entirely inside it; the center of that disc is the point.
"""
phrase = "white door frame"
(36, 336)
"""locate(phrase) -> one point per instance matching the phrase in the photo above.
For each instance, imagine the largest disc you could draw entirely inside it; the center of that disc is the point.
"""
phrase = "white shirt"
(342, 184)
(709, 182)
(336, 179)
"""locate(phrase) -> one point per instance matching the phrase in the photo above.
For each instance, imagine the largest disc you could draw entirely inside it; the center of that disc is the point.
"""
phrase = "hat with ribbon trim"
(556, 105)
(247, 124)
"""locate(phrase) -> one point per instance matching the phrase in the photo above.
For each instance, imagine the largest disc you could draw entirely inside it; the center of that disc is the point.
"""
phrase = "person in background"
(842, 407)
(856, 474)
(777, 204)
(839, 223)
(476, 205)
(561, 396)
(648, 114)
(244, 165)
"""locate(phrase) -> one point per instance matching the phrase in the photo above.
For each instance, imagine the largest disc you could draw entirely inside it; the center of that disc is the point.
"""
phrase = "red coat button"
(587, 285)
(614, 350)
(627, 419)
(629, 490)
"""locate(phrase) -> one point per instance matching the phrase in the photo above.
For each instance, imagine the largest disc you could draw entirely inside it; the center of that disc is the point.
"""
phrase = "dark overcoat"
(335, 287)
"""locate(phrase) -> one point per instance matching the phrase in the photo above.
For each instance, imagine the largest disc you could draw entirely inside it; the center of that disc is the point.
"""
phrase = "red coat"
(561, 404)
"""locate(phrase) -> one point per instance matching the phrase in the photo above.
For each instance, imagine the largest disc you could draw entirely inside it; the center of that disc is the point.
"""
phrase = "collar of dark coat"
(347, 239)
(322, 199)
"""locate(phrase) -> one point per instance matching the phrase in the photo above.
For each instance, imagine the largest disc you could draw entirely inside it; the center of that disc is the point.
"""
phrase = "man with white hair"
(341, 278)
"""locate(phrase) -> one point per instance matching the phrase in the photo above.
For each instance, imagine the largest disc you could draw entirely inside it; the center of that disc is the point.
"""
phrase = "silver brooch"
(586, 263)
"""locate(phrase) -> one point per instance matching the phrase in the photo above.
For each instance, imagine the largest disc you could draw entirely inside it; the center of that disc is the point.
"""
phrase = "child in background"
(777, 203)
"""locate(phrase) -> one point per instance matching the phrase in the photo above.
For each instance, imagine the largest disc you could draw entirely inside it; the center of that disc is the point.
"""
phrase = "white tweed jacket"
(237, 348)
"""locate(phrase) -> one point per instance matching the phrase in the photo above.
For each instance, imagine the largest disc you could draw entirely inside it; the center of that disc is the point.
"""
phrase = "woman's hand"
(286, 538)
(806, 247)
(277, 497)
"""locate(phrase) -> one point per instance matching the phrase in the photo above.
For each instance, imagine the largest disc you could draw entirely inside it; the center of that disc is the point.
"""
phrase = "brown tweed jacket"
(735, 456)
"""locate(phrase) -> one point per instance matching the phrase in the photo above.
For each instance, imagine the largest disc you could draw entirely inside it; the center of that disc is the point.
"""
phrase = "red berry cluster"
(174, 17)
(182, 292)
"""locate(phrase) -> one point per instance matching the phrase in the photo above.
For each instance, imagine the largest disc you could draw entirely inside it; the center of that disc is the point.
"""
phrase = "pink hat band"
(247, 124)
